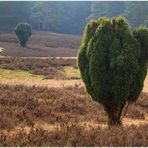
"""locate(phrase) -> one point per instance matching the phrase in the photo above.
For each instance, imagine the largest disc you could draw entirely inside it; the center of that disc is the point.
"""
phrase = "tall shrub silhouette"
(23, 32)
(112, 61)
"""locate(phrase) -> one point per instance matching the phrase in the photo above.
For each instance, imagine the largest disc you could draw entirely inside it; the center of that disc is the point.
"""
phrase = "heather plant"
(112, 61)
(23, 32)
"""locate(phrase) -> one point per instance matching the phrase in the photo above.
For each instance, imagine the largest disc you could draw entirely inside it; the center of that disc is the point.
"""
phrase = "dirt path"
(54, 83)
(45, 83)
(1, 49)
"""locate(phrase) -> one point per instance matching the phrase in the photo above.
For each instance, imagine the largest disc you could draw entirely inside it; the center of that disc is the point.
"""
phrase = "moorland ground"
(43, 102)
(40, 44)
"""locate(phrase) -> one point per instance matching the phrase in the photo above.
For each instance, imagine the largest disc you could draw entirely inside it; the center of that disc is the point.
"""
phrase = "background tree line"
(68, 17)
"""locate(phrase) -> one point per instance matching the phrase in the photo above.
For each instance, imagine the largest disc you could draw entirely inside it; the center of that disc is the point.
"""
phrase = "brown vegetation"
(38, 116)
(76, 136)
(62, 116)
(41, 44)
(49, 67)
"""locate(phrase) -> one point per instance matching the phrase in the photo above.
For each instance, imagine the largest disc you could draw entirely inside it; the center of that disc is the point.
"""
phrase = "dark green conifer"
(23, 32)
(112, 61)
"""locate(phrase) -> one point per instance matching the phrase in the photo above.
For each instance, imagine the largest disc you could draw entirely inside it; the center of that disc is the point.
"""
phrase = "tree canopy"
(113, 63)
(23, 32)
(68, 17)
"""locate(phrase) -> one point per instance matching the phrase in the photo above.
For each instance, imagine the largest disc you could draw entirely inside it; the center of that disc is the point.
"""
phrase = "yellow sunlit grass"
(71, 72)
(6, 74)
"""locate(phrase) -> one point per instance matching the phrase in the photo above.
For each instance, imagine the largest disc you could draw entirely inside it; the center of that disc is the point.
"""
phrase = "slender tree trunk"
(114, 115)
(113, 120)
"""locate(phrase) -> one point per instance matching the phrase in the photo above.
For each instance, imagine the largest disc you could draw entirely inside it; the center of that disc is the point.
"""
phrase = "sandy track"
(45, 83)
(54, 83)
(1, 49)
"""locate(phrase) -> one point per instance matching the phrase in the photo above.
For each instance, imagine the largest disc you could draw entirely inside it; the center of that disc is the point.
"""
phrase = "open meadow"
(43, 101)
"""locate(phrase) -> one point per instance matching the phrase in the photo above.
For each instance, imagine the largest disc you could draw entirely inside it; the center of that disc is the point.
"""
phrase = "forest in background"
(68, 17)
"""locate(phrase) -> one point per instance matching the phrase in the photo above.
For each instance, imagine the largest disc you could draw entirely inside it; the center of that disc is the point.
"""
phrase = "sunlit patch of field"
(22, 77)
(71, 72)
(42, 83)
(86, 125)
(16, 75)
(50, 72)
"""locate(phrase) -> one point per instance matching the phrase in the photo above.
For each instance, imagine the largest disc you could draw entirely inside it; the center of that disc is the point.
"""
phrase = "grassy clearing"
(71, 72)
(18, 74)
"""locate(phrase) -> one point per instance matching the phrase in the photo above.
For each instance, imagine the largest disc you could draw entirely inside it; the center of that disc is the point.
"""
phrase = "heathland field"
(43, 101)
(41, 44)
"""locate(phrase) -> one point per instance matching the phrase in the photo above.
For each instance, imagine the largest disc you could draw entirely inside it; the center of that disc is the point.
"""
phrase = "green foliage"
(68, 17)
(145, 23)
(11, 13)
(108, 9)
(136, 12)
(47, 15)
(112, 61)
(75, 17)
(23, 32)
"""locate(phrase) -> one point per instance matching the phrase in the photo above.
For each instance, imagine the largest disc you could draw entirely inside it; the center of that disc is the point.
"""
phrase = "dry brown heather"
(49, 67)
(41, 44)
(60, 116)
(40, 116)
